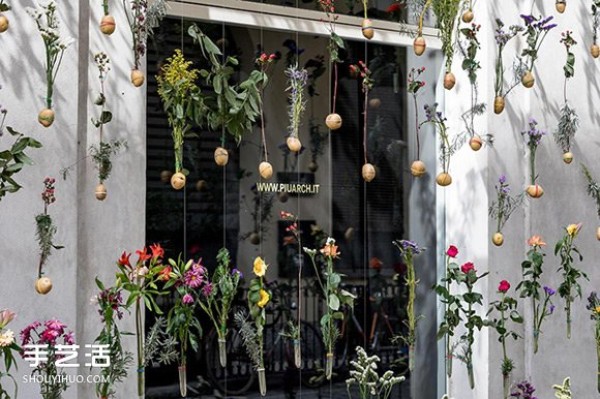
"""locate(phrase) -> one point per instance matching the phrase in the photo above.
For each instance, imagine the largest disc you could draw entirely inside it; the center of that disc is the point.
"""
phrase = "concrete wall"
(564, 202)
(94, 233)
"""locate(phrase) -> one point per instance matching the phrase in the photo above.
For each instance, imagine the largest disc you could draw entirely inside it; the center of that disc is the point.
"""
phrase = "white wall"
(94, 233)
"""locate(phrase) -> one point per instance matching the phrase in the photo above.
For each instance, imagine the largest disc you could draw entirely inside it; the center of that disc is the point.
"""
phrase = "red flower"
(452, 251)
(395, 7)
(165, 273)
(375, 263)
(504, 286)
(143, 255)
(124, 260)
(467, 267)
(157, 251)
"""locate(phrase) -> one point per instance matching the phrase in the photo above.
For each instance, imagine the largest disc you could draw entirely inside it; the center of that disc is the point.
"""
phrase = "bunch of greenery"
(570, 288)
(506, 308)
(45, 227)
(232, 108)
(364, 374)
(593, 188)
(446, 12)
(182, 100)
(460, 309)
(569, 121)
(505, 204)
(334, 296)
(502, 37)
(110, 309)
(530, 287)
(48, 24)
(219, 292)
(594, 307)
(408, 250)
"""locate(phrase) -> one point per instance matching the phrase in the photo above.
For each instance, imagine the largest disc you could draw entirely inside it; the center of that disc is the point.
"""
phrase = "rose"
(264, 299)
(536, 241)
(452, 251)
(504, 286)
(467, 267)
(573, 229)
(260, 267)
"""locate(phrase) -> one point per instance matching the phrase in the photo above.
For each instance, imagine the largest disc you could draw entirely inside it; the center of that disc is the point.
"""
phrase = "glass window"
(224, 207)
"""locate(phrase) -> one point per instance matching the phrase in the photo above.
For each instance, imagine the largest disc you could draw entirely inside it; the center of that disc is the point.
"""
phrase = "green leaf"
(333, 302)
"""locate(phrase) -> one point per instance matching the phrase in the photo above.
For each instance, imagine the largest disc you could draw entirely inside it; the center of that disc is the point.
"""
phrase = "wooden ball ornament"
(108, 25)
(46, 117)
(498, 239)
(43, 285)
(333, 121)
(417, 168)
(367, 29)
(101, 192)
(444, 179)
(165, 176)
(221, 156)
(475, 143)
(3, 23)
(449, 81)
(254, 239)
(294, 144)
(468, 16)
(266, 170)
(535, 191)
(567, 157)
(561, 5)
(368, 172)
(201, 185)
(419, 45)
(528, 80)
(595, 50)
(499, 104)
(178, 181)
(137, 77)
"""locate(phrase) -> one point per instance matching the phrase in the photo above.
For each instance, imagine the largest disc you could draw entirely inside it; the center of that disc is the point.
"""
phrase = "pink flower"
(194, 277)
(6, 316)
(504, 286)
(49, 336)
(467, 267)
(55, 325)
(207, 289)
(70, 338)
(452, 251)
(187, 299)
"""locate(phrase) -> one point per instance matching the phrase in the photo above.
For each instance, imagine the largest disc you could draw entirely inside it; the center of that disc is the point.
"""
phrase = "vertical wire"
(366, 328)
(224, 173)
(185, 185)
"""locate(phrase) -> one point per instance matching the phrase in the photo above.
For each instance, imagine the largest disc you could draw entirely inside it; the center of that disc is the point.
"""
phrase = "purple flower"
(524, 390)
(207, 289)
(552, 307)
(187, 299)
(549, 291)
(529, 19)
(502, 179)
(406, 246)
(239, 273)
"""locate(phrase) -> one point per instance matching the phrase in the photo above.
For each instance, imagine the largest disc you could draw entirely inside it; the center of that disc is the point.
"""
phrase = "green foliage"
(159, 346)
(45, 231)
(593, 188)
(446, 12)
(232, 107)
(13, 160)
(249, 338)
(224, 283)
(101, 155)
(331, 290)
(505, 311)
(470, 63)
(364, 374)
(4, 7)
(567, 127)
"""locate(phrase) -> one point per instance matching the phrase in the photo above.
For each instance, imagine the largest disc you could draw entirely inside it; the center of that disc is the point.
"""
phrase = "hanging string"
(365, 214)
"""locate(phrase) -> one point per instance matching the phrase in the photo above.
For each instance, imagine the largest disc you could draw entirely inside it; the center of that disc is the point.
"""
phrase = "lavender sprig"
(533, 137)
(297, 80)
(536, 30)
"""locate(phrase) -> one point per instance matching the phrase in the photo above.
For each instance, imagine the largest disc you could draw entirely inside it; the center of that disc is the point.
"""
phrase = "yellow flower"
(7, 338)
(264, 299)
(597, 309)
(573, 229)
(260, 267)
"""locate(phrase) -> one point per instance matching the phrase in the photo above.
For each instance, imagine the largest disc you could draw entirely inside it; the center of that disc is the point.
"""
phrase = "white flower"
(7, 338)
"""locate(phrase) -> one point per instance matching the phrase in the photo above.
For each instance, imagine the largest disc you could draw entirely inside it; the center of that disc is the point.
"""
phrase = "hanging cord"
(366, 218)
